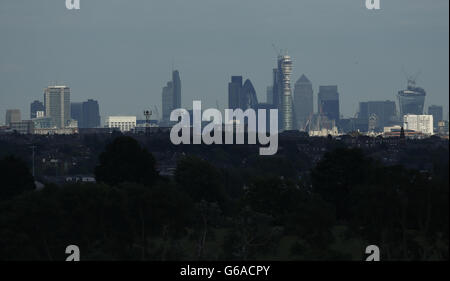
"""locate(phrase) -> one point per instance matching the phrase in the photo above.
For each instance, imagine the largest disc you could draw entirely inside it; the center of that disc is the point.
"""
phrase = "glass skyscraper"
(328, 102)
(171, 96)
(282, 94)
(411, 100)
(303, 101)
(234, 92)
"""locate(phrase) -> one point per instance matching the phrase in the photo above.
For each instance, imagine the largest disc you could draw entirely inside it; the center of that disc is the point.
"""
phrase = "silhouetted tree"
(124, 160)
(336, 173)
(298, 211)
(402, 211)
(15, 177)
(200, 180)
(252, 234)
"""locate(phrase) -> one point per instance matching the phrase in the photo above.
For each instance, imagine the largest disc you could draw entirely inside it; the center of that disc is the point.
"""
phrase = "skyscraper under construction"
(282, 93)
(411, 100)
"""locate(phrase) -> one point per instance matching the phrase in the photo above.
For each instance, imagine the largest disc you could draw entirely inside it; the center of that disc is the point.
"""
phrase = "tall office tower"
(269, 95)
(91, 114)
(328, 102)
(234, 92)
(12, 116)
(248, 97)
(286, 105)
(240, 95)
(411, 100)
(171, 96)
(303, 100)
(35, 107)
(438, 114)
(383, 112)
(167, 101)
(176, 89)
(76, 113)
(57, 105)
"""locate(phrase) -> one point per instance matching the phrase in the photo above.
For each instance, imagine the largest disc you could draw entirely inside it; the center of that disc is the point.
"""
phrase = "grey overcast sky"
(121, 52)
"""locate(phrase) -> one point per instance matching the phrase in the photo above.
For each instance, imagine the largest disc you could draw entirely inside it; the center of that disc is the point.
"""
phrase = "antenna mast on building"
(147, 114)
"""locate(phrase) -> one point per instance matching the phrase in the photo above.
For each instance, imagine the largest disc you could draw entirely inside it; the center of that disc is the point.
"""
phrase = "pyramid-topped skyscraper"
(303, 102)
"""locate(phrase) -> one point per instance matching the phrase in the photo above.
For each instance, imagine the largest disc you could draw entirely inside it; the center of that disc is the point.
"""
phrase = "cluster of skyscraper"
(56, 114)
(296, 112)
(295, 108)
(379, 116)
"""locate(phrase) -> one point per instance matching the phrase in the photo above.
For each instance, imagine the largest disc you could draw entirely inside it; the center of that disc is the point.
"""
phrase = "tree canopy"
(15, 177)
(124, 160)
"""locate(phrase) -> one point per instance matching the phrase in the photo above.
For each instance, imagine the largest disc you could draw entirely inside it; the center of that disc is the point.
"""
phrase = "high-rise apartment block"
(419, 123)
(240, 95)
(57, 105)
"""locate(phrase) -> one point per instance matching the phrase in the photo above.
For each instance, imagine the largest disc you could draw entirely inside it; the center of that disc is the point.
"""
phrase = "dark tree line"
(207, 212)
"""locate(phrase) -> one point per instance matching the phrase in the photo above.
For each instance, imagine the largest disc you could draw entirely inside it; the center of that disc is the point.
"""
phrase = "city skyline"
(124, 71)
(224, 139)
(243, 96)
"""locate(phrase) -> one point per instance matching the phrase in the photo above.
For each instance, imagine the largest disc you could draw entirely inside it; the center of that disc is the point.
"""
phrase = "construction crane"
(156, 112)
(307, 124)
(278, 51)
(412, 79)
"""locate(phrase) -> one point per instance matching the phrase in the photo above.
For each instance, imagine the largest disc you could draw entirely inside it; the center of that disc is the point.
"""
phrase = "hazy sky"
(121, 52)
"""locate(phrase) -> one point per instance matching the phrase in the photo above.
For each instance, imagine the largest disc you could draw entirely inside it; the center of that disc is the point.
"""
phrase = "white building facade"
(419, 123)
(123, 123)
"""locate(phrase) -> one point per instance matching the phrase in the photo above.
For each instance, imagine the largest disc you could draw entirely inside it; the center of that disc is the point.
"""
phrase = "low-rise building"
(123, 123)
(43, 123)
(55, 131)
(23, 127)
(395, 131)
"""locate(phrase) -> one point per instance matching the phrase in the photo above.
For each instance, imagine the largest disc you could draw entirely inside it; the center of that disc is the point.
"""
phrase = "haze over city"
(229, 139)
(122, 54)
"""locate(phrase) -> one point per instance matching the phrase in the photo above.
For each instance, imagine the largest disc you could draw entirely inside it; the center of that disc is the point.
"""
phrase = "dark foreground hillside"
(317, 199)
